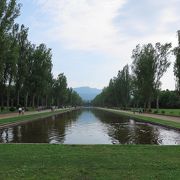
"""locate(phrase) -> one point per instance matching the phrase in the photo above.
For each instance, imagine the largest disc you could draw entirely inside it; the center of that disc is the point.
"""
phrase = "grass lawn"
(43, 161)
(170, 112)
(6, 110)
(30, 117)
(146, 119)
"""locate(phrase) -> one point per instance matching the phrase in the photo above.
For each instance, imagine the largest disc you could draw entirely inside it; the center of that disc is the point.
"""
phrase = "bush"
(12, 109)
(163, 112)
(156, 112)
(2, 108)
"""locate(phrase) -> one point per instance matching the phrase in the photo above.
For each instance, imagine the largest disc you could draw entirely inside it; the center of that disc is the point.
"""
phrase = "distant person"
(23, 110)
(20, 110)
(52, 109)
(134, 111)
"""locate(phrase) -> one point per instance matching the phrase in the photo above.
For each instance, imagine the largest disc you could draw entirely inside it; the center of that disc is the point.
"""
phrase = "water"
(89, 126)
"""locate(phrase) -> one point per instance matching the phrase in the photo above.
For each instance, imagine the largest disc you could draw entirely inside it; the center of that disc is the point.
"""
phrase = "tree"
(60, 90)
(161, 64)
(143, 69)
(122, 87)
(177, 64)
(11, 61)
(9, 11)
(149, 65)
(22, 60)
(40, 68)
(118, 92)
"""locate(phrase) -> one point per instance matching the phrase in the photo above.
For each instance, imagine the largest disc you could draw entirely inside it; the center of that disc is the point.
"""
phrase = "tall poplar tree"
(177, 64)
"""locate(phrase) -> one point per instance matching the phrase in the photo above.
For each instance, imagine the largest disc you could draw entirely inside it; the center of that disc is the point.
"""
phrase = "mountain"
(87, 93)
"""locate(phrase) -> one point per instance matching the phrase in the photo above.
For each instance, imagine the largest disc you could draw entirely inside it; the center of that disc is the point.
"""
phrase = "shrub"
(163, 112)
(2, 108)
(12, 109)
(156, 112)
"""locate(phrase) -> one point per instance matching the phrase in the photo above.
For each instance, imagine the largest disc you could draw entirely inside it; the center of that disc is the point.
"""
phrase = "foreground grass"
(89, 162)
(146, 119)
(30, 117)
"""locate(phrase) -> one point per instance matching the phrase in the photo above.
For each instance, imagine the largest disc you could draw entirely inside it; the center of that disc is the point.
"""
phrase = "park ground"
(12, 119)
(35, 161)
(45, 161)
(164, 120)
(9, 119)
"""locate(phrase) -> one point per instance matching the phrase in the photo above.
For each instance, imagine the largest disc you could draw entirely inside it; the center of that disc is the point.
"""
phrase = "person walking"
(23, 110)
(20, 110)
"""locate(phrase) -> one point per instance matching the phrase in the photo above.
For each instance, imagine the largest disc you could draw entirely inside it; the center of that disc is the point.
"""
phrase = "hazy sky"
(92, 39)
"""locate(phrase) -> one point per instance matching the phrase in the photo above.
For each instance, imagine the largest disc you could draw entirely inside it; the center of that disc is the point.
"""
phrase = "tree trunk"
(42, 101)
(145, 107)
(46, 101)
(157, 102)
(38, 101)
(33, 99)
(149, 104)
(8, 91)
(12, 102)
(2, 100)
(8, 98)
(26, 100)
(18, 97)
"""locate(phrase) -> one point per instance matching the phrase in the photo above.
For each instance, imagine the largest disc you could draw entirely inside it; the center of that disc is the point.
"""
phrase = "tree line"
(26, 69)
(142, 86)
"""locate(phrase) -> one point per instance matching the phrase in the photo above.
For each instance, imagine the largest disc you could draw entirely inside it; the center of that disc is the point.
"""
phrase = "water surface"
(89, 126)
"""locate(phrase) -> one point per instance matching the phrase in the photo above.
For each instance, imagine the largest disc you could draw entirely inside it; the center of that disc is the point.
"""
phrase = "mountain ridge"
(87, 93)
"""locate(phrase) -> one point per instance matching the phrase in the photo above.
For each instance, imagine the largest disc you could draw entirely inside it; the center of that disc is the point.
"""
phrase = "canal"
(89, 126)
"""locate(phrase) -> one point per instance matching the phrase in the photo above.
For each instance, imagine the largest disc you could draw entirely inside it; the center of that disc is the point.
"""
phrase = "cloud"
(84, 24)
(109, 27)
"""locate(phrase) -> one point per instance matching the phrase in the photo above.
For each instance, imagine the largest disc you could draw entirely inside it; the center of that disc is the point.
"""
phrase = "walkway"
(16, 114)
(162, 117)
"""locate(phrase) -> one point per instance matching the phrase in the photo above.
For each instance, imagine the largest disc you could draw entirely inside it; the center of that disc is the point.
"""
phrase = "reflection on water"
(89, 126)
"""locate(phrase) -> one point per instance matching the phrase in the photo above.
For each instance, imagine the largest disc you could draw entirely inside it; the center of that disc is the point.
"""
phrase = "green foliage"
(12, 109)
(2, 108)
(163, 112)
(141, 87)
(118, 92)
(156, 112)
(149, 65)
(177, 64)
(26, 69)
(169, 99)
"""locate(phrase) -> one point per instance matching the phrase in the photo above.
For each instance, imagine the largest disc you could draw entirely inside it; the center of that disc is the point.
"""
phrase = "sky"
(91, 40)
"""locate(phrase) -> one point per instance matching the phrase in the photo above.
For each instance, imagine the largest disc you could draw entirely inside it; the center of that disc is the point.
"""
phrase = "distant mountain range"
(87, 93)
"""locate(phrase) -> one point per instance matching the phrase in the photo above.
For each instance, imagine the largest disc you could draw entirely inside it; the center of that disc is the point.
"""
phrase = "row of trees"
(26, 69)
(141, 87)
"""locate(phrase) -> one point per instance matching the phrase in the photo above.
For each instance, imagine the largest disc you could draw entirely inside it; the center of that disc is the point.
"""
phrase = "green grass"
(6, 110)
(169, 112)
(89, 162)
(24, 118)
(146, 119)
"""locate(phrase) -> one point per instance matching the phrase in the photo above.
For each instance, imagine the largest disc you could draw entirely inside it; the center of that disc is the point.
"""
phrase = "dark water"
(89, 126)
